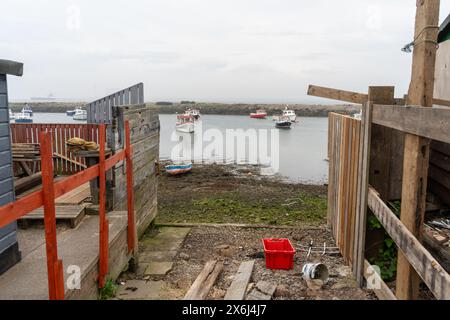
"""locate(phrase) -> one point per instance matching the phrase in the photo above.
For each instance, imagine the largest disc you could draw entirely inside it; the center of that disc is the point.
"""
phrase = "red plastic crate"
(279, 254)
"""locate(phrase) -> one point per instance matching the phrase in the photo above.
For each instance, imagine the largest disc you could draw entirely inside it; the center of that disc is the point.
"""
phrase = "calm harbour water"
(302, 149)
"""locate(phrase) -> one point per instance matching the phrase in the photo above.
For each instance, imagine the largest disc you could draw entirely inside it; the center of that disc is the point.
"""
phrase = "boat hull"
(283, 125)
(186, 127)
(80, 118)
(258, 116)
(178, 169)
(23, 120)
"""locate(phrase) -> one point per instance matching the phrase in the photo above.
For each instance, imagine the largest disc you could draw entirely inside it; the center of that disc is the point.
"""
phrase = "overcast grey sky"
(207, 50)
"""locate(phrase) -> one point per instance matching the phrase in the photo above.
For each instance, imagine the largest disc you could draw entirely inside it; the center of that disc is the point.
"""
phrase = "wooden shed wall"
(144, 131)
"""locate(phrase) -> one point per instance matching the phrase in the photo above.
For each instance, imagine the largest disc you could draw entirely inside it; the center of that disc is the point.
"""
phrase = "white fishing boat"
(194, 113)
(27, 110)
(290, 114)
(12, 115)
(23, 118)
(283, 122)
(71, 113)
(185, 123)
(80, 114)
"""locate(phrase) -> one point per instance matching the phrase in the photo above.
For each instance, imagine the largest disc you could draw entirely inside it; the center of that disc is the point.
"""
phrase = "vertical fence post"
(103, 221)
(363, 188)
(54, 266)
(130, 196)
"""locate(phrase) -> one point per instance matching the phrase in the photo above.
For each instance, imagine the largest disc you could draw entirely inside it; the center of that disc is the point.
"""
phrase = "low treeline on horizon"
(165, 107)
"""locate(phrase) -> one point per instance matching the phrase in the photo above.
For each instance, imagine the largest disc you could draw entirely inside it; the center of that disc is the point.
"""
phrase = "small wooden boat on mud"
(185, 123)
(177, 169)
(283, 122)
(259, 114)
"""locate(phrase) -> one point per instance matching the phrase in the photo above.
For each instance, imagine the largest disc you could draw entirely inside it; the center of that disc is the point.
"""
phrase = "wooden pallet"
(75, 197)
(69, 214)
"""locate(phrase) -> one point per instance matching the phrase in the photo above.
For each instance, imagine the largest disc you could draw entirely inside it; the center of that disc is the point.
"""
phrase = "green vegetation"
(108, 291)
(386, 259)
(231, 208)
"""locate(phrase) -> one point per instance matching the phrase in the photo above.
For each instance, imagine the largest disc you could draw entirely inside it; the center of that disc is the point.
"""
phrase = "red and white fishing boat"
(193, 112)
(259, 114)
(185, 123)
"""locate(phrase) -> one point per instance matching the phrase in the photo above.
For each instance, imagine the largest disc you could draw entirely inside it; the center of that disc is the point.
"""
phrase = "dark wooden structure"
(9, 248)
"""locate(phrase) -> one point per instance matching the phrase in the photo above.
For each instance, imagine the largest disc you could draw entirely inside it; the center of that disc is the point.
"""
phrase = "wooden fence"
(64, 162)
(343, 153)
(350, 195)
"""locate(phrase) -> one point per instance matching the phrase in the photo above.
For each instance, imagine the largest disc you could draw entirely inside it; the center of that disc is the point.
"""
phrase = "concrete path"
(157, 255)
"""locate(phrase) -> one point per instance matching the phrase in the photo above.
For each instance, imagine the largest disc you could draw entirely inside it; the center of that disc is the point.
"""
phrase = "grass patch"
(108, 291)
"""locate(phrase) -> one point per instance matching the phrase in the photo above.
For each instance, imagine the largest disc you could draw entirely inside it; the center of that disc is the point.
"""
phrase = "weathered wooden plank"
(442, 176)
(439, 190)
(75, 197)
(335, 94)
(431, 272)
(416, 154)
(361, 213)
(441, 102)
(238, 287)
(440, 160)
(430, 123)
(383, 292)
(205, 280)
(262, 291)
(441, 147)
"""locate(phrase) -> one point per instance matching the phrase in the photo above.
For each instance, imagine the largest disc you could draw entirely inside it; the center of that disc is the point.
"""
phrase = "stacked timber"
(26, 152)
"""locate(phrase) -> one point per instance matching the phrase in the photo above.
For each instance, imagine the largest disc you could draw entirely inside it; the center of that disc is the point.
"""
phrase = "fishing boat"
(290, 114)
(194, 113)
(259, 114)
(283, 122)
(177, 169)
(80, 114)
(12, 115)
(185, 123)
(23, 118)
(27, 110)
(71, 113)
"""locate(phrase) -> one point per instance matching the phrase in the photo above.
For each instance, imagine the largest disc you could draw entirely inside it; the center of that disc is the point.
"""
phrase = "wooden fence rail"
(51, 190)
(64, 162)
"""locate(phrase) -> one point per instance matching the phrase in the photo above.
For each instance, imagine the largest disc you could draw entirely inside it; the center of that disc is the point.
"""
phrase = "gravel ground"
(235, 245)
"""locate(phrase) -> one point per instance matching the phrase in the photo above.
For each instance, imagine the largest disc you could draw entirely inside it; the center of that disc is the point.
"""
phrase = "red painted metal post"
(54, 266)
(132, 232)
(103, 222)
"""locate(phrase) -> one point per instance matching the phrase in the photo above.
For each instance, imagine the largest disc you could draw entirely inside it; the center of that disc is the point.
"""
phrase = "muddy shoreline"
(238, 194)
